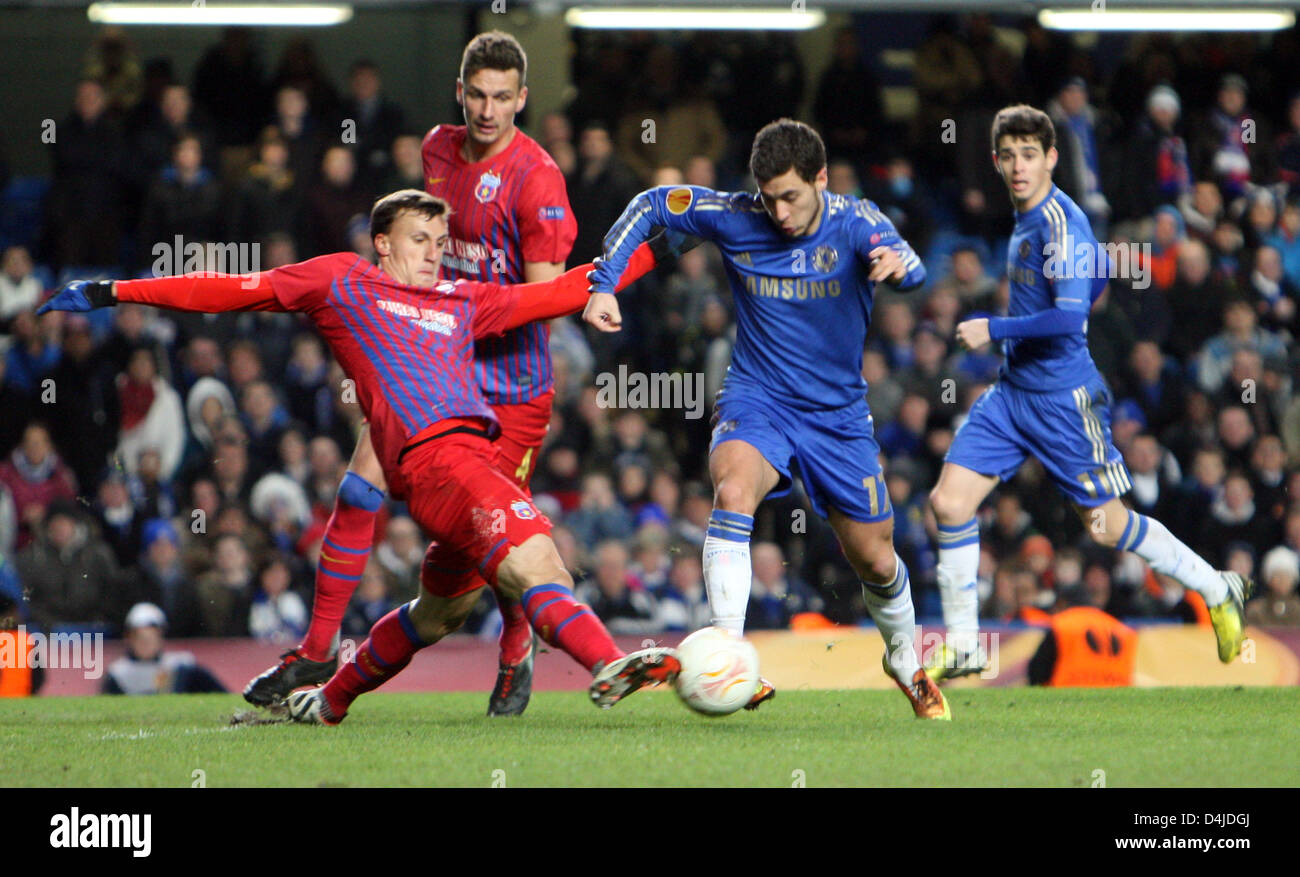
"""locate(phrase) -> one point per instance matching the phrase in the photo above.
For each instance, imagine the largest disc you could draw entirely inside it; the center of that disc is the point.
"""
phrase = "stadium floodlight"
(221, 14)
(1166, 19)
(701, 18)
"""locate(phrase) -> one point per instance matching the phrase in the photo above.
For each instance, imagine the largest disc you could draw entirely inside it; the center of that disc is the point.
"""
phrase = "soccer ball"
(719, 671)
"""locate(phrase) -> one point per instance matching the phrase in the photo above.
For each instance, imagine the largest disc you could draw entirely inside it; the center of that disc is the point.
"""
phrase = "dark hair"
(271, 134)
(418, 201)
(494, 50)
(1022, 120)
(184, 136)
(147, 349)
(41, 425)
(785, 144)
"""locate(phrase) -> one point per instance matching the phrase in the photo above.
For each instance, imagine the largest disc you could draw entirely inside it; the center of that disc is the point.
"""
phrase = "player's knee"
(452, 622)
(732, 496)
(360, 492)
(1103, 536)
(531, 565)
(878, 564)
(547, 574)
(949, 509)
(434, 629)
(880, 570)
(365, 462)
(1105, 524)
(430, 624)
(373, 473)
(435, 618)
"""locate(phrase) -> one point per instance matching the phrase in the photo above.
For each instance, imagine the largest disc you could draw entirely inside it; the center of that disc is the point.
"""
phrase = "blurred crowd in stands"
(191, 461)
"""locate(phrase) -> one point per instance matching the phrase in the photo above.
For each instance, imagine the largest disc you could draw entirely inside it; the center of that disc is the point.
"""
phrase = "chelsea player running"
(802, 264)
(1049, 402)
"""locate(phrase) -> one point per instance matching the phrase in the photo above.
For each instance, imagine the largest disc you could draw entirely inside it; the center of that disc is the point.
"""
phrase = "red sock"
(382, 656)
(516, 635)
(567, 624)
(343, 556)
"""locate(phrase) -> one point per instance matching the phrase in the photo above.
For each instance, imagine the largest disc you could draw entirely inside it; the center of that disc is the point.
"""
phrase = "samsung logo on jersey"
(1023, 276)
(791, 289)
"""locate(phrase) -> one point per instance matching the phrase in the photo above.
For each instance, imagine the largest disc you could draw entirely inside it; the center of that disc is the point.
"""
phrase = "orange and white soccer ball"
(719, 671)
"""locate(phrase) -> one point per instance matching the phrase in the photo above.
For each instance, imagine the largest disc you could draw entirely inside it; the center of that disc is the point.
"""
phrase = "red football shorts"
(473, 512)
(523, 429)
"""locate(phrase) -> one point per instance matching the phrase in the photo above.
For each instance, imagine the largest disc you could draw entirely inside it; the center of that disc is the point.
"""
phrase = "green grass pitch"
(1000, 737)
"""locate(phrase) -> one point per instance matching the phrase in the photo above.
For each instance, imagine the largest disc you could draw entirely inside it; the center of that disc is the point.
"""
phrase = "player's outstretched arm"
(207, 293)
(568, 293)
(672, 207)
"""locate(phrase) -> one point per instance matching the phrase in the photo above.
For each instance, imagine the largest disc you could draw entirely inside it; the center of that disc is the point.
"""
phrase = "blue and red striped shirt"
(408, 350)
(509, 209)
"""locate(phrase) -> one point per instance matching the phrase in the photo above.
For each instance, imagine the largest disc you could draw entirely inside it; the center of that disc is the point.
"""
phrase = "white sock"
(727, 570)
(959, 563)
(891, 608)
(1151, 540)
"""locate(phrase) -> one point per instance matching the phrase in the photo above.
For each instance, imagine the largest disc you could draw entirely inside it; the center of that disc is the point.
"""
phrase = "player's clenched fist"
(886, 266)
(603, 313)
(973, 334)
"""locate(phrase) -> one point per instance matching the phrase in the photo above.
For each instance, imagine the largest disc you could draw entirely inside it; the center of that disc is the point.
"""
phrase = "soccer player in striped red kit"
(510, 223)
(404, 337)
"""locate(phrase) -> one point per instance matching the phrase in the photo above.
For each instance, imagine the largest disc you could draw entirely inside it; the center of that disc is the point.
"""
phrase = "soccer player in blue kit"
(1049, 402)
(802, 264)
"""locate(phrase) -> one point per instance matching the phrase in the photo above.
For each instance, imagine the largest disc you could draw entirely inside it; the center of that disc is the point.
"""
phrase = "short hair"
(41, 425)
(388, 208)
(271, 134)
(246, 345)
(239, 540)
(494, 50)
(1212, 450)
(1022, 120)
(785, 144)
(185, 136)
